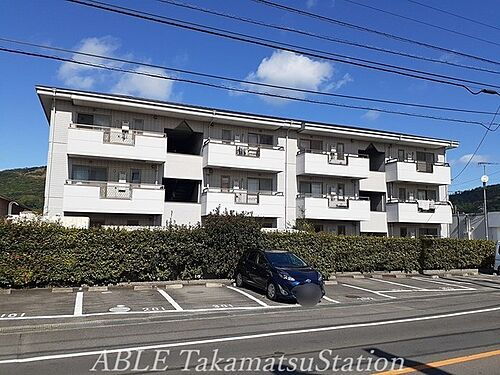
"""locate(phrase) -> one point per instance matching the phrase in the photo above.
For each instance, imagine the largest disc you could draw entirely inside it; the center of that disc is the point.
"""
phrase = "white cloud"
(371, 115)
(336, 85)
(475, 159)
(311, 3)
(144, 86)
(285, 68)
(85, 77)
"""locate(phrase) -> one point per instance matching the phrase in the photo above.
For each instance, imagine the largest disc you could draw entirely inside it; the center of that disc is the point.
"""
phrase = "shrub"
(40, 254)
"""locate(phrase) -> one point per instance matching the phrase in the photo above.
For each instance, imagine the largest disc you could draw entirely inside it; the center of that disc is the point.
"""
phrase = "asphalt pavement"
(415, 324)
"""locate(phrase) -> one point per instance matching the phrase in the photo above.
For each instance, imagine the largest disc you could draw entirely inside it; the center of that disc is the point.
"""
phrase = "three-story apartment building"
(129, 161)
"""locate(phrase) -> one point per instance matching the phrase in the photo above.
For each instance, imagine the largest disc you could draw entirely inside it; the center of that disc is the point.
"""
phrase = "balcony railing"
(423, 205)
(410, 170)
(328, 163)
(334, 201)
(119, 137)
(115, 190)
(250, 151)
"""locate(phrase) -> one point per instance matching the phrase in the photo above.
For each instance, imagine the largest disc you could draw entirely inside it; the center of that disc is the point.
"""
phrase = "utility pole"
(484, 180)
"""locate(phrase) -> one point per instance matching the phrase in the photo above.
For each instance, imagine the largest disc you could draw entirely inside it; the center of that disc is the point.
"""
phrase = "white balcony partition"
(406, 171)
(323, 208)
(218, 154)
(376, 224)
(86, 140)
(375, 182)
(102, 197)
(408, 212)
(323, 164)
(259, 205)
(183, 166)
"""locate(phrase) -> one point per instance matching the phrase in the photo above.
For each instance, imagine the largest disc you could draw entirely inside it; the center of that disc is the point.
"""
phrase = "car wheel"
(271, 291)
(239, 280)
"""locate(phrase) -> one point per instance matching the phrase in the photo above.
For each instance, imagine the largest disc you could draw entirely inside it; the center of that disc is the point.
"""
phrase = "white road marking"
(443, 283)
(246, 337)
(423, 290)
(369, 291)
(78, 310)
(398, 284)
(248, 295)
(330, 299)
(170, 300)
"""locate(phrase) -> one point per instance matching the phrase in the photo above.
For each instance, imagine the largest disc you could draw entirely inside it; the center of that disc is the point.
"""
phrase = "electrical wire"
(454, 14)
(479, 145)
(365, 29)
(246, 82)
(423, 22)
(284, 46)
(248, 91)
(327, 38)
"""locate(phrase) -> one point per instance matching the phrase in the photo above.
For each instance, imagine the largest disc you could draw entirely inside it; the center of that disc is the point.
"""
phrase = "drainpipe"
(9, 209)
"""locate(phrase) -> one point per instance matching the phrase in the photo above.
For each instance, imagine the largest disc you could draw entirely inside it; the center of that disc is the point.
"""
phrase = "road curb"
(62, 290)
(5, 291)
(98, 289)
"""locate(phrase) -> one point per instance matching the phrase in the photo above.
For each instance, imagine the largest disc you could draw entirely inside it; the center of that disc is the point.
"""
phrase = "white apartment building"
(129, 161)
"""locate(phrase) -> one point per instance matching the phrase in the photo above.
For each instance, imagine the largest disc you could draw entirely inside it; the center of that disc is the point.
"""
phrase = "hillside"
(471, 201)
(25, 185)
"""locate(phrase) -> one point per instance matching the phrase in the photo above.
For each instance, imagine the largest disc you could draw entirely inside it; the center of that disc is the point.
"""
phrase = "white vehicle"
(497, 258)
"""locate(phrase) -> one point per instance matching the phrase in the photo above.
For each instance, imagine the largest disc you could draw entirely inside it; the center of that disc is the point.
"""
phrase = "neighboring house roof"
(47, 94)
(13, 200)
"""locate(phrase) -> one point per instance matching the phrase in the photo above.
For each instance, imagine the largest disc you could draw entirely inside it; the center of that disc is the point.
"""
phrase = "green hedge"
(40, 254)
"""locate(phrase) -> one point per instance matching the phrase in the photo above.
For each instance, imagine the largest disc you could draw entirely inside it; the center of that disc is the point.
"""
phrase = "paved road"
(437, 326)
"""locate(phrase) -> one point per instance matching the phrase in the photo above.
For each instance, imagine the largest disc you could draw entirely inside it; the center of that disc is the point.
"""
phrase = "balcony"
(375, 182)
(421, 211)
(319, 163)
(219, 154)
(268, 204)
(90, 140)
(416, 171)
(113, 197)
(329, 208)
(376, 224)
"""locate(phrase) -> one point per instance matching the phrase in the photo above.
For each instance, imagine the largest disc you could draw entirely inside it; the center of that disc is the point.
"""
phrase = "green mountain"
(471, 201)
(25, 185)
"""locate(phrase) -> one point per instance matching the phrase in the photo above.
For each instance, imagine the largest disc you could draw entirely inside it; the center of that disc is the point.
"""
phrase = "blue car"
(281, 274)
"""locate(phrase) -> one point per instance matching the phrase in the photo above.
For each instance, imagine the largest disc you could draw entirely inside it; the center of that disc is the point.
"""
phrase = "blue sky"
(58, 23)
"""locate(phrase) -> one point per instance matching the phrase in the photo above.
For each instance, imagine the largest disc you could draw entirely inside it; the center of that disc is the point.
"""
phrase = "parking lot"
(179, 299)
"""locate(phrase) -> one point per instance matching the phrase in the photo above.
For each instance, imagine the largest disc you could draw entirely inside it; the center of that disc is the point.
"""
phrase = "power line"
(454, 14)
(324, 37)
(423, 22)
(248, 91)
(365, 29)
(285, 46)
(246, 82)
(479, 144)
(473, 179)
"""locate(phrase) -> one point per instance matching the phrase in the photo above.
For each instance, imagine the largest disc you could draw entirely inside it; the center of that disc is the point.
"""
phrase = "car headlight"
(320, 276)
(285, 276)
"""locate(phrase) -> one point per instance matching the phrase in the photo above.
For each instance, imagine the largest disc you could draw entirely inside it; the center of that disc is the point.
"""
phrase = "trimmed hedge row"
(41, 254)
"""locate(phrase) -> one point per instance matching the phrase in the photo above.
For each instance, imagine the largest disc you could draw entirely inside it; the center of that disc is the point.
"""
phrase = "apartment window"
(310, 144)
(311, 188)
(93, 119)
(341, 191)
(225, 182)
(227, 136)
(340, 151)
(401, 155)
(89, 173)
(135, 176)
(402, 194)
(426, 194)
(255, 185)
(341, 230)
(425, 161)
(430, 232)
(260, 139)
(138, 124)
(403, 232)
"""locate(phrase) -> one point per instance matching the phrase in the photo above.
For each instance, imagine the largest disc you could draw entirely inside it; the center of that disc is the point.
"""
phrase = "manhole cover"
(120, 308)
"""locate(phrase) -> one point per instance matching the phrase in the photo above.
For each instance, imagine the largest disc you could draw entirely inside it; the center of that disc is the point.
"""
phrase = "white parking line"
(399, 284)
(170, 300)
(330, 300)
(78, 311)
(442, 283)
(254, 336)
(255, 299)
(369, 291)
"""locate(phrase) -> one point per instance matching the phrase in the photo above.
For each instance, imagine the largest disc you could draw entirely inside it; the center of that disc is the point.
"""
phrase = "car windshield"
(285, 260)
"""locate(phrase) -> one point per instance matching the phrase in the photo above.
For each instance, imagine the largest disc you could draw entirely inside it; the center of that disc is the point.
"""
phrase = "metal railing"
(115, 192)
(246, 198)
(107, 128)
(422, 166)
(119, 137)
(249, 151)
(242, 144)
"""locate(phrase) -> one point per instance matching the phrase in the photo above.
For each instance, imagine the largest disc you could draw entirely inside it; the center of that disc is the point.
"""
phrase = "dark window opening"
(341, 230)
(428, 232)
(183, 140)
(377, 158)
(377, 200)
(88, 173)
(179, 190)
(93, 119)
(403, 232)
(133, 223)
